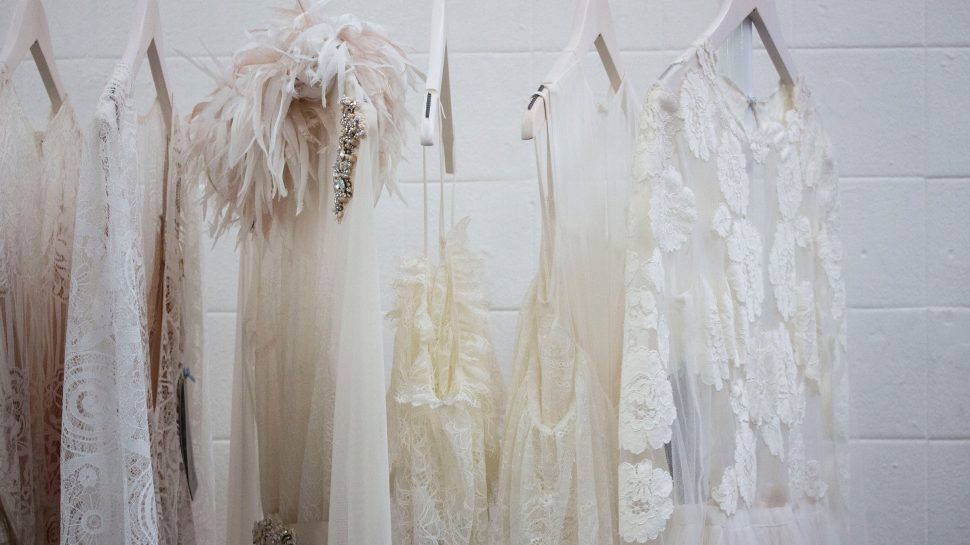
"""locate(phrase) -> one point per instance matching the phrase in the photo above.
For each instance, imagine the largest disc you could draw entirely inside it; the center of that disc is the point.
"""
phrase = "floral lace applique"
(714, 370)
(698, 109)
(805, 332)
(721, 221)
(789, 182)
(732, 174)
(781, 269)
(726, 493)
(646, 402)
(745, 275)
(672, 211)
(815, 486)
(645, 502)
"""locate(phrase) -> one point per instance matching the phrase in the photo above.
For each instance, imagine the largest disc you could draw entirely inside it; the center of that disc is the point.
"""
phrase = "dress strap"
(547, 201)
(442, 233)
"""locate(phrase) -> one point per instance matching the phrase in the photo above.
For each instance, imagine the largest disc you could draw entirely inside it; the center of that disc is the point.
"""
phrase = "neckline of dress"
(53, 117)
(772, 107)
(605, 105)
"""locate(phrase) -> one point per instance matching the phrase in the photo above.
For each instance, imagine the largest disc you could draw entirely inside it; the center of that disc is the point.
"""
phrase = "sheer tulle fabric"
(443, 400)
(38, 183)
(733, 403)
(309, 441)
(131, 323)
(556, 482)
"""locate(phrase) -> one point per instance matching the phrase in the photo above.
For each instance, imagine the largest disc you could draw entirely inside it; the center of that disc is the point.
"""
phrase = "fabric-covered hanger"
(592, 26)
(764, 17)
(146, 40)
(29, 31)
(437, 99)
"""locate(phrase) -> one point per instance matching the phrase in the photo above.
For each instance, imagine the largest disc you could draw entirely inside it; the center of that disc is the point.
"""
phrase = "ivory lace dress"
(38, 182)
(279, 141)
(134, 328)
(444, 398)
(556, 480)
(733, 410)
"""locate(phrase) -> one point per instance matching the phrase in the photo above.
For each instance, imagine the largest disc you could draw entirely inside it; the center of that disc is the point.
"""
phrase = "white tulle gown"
(444, 399)
(38, 183)
(557, 483)
(134, 329)
(733, 409)
(308, 450)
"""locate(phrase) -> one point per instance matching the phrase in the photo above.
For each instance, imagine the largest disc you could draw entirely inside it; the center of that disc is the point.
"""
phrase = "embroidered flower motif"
(732, 174)
(672, 211)
(828, 246)
(805, 332)
(815, 488)
(744, 274)
(645, 503)
(771, 378)
(654, 148)
(795, 124)
(714, 365)
(721, 221)
(745, 462)
(697, 109)
(646, 402)
(759, 147)
(789, 182)
(781, 269)
(726, 493)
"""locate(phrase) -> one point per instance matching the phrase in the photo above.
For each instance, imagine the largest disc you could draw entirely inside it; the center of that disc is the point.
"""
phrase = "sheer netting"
(134, 324)
(39, 174)
(556, 479)
(279, 147)
(444, 397)
(733, 408)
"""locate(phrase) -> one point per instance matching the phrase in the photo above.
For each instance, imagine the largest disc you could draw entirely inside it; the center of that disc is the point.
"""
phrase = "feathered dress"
(280, 144)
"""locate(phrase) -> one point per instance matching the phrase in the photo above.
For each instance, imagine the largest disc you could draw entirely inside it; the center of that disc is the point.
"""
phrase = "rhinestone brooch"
(352, 131)
(271, 531)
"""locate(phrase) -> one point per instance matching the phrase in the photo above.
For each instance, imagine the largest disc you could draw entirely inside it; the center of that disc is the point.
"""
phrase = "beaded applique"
(271, 531)
(352, 131)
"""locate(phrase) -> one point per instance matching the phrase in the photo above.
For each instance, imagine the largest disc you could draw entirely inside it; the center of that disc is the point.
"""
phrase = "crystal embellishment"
(352, 131)
(271, 531)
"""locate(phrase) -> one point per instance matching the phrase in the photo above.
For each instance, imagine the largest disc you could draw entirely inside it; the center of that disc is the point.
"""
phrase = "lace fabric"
(134, 322)
(444, 399)
(732, 419)
(556, 477)
(38, 182)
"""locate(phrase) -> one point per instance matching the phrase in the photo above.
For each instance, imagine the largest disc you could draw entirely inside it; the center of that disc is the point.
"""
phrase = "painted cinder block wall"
(892, 79)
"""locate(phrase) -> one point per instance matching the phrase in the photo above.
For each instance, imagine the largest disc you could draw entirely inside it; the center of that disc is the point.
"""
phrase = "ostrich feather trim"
(260, 138)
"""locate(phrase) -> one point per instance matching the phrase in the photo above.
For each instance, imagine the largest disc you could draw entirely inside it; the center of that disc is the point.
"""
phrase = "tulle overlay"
(733, 410)
(309, 435)
(556, 478)
(443, 401)
(38, 186)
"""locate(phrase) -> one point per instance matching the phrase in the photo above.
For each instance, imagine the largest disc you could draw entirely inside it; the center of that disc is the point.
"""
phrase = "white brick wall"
(892, 79)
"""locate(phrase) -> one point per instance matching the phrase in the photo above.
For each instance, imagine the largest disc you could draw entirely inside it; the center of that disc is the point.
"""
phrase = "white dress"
(556, 481)
(444, 399)
(134, 325)
(38, 182)
(308, 448)
(732, 416)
